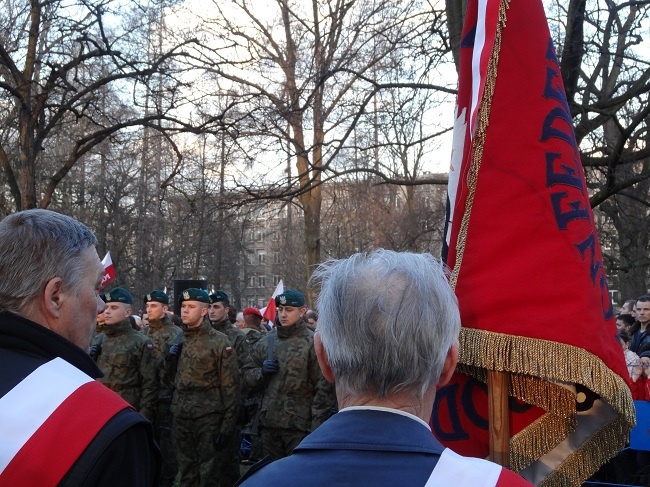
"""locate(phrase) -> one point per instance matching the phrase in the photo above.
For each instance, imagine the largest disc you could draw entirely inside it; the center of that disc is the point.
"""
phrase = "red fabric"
(532, 265)
(48, 455)
(109, 269)
(269, 312)
(511, 479)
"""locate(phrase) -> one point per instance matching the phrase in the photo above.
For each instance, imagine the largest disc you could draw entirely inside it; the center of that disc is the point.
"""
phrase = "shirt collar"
(387, 410)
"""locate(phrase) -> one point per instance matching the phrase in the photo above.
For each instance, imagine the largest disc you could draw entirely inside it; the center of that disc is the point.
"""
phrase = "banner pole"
(499, 419)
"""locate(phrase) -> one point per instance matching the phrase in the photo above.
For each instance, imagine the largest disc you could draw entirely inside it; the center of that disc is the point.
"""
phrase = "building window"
(261, 281)
(276, 280)
(261, 302)
(250, 257)
(276, 257)
(261, 256)
(251, 281)
(258, 236)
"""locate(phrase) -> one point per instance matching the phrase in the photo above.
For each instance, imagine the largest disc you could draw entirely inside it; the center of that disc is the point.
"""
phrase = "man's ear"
(323, 361)
(53, 298)
(450, 365)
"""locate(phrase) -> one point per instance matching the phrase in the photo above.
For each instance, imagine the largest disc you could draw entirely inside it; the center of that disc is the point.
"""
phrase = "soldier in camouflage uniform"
(160, 331)
(219, 318)
(206, 394)
(253, 326)
(219, 315)
(296, 398)
(254, 333)
(125, 356)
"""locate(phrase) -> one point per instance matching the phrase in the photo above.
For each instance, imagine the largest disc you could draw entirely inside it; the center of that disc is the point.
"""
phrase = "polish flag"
(109, 269)
(269, 311)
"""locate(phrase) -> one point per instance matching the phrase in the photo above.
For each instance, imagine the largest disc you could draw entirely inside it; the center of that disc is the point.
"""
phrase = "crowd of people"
(205, 383)
(70, 386)
(634, 335)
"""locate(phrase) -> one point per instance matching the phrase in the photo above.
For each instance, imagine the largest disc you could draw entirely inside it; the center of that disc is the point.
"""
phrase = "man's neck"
(401, 402)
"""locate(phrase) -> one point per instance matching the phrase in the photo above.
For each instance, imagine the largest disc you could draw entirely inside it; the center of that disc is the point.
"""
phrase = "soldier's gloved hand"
(220, 441)
(270, 367)
(173, 351)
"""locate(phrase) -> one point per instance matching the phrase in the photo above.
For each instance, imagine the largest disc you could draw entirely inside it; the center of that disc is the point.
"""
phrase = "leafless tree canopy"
(243, 142)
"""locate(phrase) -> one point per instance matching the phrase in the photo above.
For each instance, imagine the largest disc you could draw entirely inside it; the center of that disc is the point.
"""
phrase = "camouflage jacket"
(206, 379)
(298, 397)
(237, 338)
(253, 335)
(129, 364)
(159, 333)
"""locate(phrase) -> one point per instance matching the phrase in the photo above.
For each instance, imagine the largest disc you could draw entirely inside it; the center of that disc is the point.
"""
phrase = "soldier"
(125, 356)
(296, 398)
(219, 318)
(253, 326)
(206, 394)
(219, 314)
(254, 333)
(161, 330)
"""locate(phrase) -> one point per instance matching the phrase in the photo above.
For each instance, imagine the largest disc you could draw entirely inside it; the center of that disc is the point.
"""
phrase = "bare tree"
(307, 71)
(57, 61)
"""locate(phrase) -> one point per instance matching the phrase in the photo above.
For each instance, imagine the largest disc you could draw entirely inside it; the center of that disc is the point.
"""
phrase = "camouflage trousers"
(198, 460)
(278, 442)
(163, 435)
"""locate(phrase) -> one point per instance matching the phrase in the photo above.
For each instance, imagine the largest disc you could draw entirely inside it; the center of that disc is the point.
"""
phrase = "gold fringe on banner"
(535, 367)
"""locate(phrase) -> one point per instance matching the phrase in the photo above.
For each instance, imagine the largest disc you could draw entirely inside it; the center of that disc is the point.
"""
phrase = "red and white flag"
(269, 311)
(109, 269)
(526, 263)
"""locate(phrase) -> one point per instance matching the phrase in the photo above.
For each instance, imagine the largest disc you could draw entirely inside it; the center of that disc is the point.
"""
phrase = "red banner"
(525, 258)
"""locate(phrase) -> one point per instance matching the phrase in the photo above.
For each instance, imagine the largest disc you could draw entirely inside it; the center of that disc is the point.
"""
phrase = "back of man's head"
(36, 246)
(387, 321)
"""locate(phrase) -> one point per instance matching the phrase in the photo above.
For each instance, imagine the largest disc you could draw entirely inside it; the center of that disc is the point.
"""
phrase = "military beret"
(219, 296)
(195, 294)
(290, 298)
(157, 296)
(117, 295)
(252, 311)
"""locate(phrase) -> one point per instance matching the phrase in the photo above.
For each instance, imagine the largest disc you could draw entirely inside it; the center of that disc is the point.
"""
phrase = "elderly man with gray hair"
(59, 426)
(387, 337)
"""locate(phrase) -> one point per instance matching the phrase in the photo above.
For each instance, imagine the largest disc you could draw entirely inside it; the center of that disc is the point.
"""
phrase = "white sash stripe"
(27, 406)
(453, 469)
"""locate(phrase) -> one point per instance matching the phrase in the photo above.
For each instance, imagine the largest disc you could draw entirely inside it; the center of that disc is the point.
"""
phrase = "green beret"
(117, 295)
(290, 298)
(157, 296)
(219, 296)
(195, 294)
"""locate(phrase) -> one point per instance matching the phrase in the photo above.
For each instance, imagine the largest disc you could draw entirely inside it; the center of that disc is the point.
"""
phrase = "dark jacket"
(123, 452)
(358, 448)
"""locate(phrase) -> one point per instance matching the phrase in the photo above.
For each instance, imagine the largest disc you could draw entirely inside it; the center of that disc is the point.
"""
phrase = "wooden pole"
(499, 420)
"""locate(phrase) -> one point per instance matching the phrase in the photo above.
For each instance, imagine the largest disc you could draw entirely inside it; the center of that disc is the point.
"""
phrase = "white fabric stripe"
(477, 79)
(453, 469)
(28, 405)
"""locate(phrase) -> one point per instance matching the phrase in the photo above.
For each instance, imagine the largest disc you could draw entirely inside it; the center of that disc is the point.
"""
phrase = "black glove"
(270, 367)
(221, 441)
(93, 351)
(173, 351)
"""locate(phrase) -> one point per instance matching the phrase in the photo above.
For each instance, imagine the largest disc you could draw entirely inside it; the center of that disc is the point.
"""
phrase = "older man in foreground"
(58, 426)
(387, 336)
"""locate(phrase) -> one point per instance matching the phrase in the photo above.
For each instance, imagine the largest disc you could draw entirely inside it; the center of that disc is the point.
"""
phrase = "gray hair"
(35, 247)
(387, 321)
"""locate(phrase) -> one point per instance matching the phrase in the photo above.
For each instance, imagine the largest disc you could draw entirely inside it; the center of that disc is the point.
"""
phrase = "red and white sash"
(48, 420)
